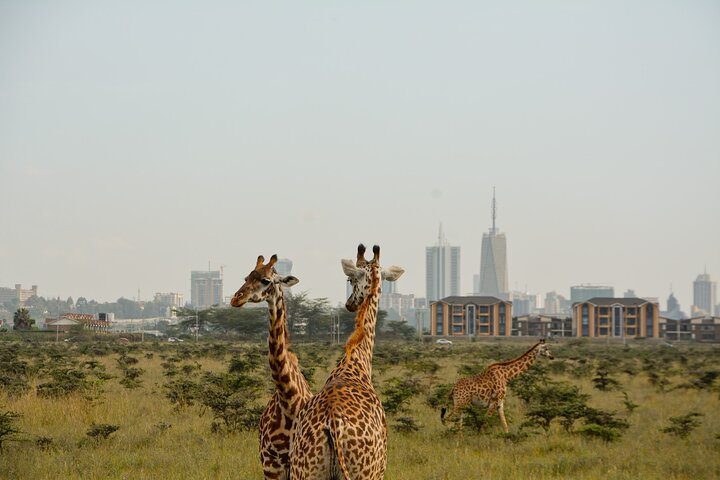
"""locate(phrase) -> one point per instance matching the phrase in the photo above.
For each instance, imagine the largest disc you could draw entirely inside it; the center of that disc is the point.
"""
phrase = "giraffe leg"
(501, 412)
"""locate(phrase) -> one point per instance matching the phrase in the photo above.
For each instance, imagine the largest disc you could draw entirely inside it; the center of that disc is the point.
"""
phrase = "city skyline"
(127, 161)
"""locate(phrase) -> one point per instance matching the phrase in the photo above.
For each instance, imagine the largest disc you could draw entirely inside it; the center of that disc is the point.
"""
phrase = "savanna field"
(103, 410)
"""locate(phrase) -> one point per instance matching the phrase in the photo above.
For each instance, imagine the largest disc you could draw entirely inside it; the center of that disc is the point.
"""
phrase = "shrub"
(592, 430)
(64, 382)
(406, 425)
(630, 406)
(101, 431)
(131, 377)
(181, 393)
(440, 395)
(8, 429)
(398, 392)
(230, 396)
(603, 381)
(44, 443)
(683, 425)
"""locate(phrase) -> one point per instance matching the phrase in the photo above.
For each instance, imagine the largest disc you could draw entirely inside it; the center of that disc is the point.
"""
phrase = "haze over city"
(141, 140)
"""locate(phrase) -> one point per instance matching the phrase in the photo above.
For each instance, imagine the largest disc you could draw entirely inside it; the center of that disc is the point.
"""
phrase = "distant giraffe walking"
(489, 387)
(277, 422)
(341, 432)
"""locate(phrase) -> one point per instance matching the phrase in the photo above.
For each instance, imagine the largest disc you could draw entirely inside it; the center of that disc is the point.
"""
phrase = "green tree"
(399, 329)
(682, 426)
(8, 429)
(315, 313)
(22, 320)
(246, 322)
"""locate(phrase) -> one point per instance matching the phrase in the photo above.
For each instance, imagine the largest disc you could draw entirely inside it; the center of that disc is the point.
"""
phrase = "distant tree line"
(311, 316)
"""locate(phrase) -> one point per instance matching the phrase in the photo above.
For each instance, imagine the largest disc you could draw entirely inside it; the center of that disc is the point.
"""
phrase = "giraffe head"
(262, 283)
(360, 274)
(544, 350)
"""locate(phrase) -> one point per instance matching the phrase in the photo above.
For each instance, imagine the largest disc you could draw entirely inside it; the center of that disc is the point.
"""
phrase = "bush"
(398, 392)
(604, 382)
(181, 393)
(683, 425)
(592, 430)
(64, 382)
(406, 425)
(101, 431)
(440, 395)
(8, 429)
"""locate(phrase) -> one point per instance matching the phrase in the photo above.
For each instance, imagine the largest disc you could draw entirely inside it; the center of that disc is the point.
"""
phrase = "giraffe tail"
(334, 431)
(443, 410)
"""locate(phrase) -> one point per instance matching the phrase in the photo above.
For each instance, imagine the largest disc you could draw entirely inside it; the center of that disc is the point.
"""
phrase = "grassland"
(158, 440)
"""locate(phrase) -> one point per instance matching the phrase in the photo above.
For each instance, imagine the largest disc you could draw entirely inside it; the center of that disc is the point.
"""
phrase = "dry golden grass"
(141, 449)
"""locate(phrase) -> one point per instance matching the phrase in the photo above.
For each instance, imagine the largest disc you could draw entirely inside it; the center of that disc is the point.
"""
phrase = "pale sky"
(140, 140)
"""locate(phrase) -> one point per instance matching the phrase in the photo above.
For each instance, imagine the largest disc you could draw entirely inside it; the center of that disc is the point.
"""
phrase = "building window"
(501, 320)
(484, 329)
(484, 309)
(470, 319)
(439, 321)
(649, 324)
(617, 321)
(585, 322)
(457, 329)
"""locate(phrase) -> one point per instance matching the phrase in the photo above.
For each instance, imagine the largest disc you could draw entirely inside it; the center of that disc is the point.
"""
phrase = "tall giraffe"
(292, 391)
(489, 387)
(342, 432)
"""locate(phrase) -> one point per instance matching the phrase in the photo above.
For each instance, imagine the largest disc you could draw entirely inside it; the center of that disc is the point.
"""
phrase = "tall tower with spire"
(493, 278)
(442, 269)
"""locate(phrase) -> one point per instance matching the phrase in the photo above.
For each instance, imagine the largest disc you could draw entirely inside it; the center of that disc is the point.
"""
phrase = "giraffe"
(342, 432)
(489, 387)
(291, 388)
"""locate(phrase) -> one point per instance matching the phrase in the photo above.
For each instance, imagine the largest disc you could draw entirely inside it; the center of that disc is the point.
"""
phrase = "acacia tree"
(22, 320)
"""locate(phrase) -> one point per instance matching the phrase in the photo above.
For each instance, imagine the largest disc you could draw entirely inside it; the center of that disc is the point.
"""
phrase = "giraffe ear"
(392, 273)
(350, 269)
(288, 281)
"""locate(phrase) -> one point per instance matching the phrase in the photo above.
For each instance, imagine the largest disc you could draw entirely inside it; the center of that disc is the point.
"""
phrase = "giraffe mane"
(508, 362)
(359, 334)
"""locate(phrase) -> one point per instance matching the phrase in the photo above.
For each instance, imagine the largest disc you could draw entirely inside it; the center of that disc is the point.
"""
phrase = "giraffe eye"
(265, 281)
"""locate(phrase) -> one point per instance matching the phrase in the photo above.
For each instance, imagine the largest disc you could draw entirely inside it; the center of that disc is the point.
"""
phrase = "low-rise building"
(66, 321)
(481, 316)
(542, 326)
(699, 329)
(608, 317)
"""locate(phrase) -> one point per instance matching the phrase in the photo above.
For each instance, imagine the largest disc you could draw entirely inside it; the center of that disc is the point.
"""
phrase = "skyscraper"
(704, 294)
(442, 269)
(206, 288)
(493, 278)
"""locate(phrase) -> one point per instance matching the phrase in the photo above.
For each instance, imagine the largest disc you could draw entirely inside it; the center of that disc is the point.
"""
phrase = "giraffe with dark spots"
(292, 391)
(341, 432)
(490, 387)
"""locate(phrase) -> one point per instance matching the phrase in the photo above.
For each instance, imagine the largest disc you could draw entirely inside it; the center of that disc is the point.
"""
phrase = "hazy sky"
(140, 140)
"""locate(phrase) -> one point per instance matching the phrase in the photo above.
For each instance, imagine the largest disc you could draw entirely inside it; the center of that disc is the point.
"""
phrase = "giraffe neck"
(359, 347)
(514, 368)
(283, 363)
